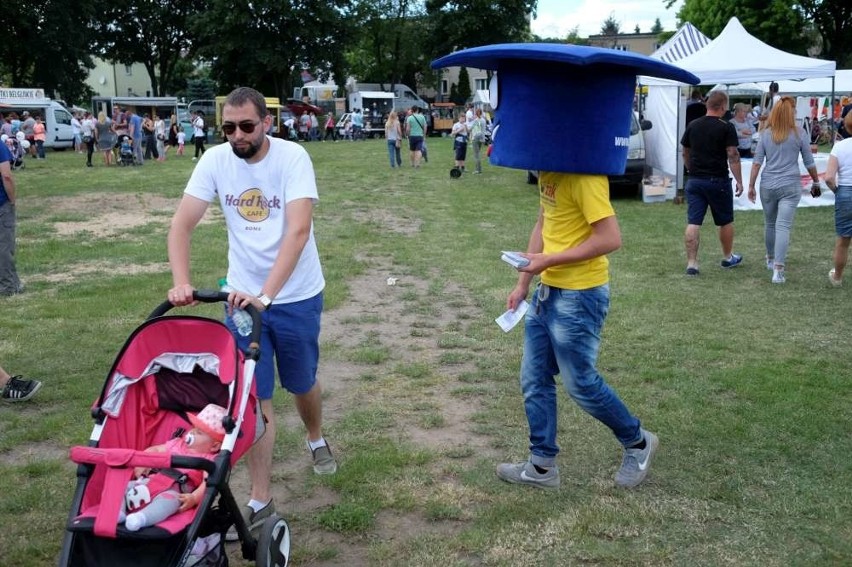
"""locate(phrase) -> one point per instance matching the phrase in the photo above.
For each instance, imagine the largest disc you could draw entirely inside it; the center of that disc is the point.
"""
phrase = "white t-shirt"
(198, 127)
(253, 198)
(842, 150)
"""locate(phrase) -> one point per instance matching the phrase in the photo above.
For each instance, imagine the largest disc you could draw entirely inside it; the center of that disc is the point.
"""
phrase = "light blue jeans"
(394, 154)
(562, 336)
(779, 210)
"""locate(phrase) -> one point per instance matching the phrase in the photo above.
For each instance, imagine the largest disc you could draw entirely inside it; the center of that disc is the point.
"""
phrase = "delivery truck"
(57, 118)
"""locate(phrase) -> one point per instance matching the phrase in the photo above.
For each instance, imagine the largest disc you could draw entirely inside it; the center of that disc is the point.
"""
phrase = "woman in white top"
(838, 177)
(393, 135)
(160, 135)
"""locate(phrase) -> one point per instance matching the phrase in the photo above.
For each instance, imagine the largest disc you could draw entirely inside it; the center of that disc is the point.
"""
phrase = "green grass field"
(746, 383)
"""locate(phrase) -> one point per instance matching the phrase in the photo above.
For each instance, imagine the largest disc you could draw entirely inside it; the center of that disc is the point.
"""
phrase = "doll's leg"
(161, 507)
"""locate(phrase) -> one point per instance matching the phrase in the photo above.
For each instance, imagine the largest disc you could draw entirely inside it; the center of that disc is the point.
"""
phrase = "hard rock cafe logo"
(252, 205)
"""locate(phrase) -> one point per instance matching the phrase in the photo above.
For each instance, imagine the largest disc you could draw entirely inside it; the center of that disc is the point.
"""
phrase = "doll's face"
(200, 442)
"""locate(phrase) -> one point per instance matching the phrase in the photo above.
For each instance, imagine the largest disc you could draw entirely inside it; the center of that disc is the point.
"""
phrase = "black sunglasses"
(246, 126)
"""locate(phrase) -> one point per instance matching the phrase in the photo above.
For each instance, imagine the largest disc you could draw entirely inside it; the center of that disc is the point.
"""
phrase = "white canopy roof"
(737, 57)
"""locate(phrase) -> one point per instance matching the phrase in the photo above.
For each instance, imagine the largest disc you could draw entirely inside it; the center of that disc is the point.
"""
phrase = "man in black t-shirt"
(709, 147)
(695, 108)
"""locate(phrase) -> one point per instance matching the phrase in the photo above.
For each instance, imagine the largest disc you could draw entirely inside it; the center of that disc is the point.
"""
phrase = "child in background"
(181, 140)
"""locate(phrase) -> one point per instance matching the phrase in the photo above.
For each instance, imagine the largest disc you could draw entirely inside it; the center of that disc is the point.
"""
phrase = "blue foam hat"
(562, 107)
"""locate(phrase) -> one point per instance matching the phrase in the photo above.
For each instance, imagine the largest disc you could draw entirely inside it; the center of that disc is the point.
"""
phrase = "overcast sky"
(556, 18)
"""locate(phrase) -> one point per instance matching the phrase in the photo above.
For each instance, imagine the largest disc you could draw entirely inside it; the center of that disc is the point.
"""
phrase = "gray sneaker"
(525, 473)
(636, 462)
(324, 462)
(253, 519)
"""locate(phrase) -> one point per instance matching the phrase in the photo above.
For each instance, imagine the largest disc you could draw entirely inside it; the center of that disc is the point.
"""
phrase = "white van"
(57, 118)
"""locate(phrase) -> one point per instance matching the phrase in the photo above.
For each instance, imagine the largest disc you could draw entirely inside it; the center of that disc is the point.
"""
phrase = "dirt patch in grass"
(76, 271)
(111, 214)
(413, 385)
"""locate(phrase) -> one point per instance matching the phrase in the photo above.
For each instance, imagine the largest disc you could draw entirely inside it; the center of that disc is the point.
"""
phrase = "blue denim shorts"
(713, 192)
(290, 335)
(843, 211)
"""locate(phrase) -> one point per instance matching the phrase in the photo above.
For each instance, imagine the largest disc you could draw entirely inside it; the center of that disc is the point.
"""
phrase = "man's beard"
(249, 152)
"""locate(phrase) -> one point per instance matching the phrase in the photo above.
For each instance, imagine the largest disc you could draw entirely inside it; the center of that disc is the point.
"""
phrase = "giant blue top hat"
(562, 107)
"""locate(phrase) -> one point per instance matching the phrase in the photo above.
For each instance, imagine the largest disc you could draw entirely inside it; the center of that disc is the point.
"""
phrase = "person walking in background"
(199, 134)
(779, 147)
(150, 141)
(415, 129)
(75, 131)
(695, 108)
(172, 142)
(105, 137)
(477, 137)
(87, 131)
(393, 135)
(744, 129)
(39, 135)
(27, 126)
(459, 134)
(709, 147)
(160, 137)
(838, 177)
(273, 264)
(134, 130)
(10, 284)
(329, 128)
(17, 388)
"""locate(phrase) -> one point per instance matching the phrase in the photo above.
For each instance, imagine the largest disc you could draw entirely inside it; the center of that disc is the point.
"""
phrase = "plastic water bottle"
(240, 317)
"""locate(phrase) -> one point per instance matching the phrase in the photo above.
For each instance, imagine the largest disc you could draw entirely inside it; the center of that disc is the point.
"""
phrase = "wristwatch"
(264, 300)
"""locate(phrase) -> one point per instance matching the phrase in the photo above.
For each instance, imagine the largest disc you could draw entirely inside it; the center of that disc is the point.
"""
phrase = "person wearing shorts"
(838, 178)
(415, 129)
(267, 190)
(709, 149)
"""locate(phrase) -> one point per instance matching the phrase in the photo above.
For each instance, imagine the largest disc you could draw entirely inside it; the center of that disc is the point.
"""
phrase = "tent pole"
(831, 126)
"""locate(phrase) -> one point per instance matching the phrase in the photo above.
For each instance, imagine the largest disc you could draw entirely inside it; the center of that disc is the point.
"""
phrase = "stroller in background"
(168, 367)
(125, 151)
(16, 148)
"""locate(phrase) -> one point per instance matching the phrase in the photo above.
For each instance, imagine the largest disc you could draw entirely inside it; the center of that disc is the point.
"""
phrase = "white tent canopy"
(733, 57)
(738, 57)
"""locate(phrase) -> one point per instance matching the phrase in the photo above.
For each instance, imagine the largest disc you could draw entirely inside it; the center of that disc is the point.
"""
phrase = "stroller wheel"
(273, 545)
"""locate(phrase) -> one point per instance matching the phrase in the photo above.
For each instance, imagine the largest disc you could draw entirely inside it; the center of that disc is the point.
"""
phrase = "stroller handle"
(215, 296)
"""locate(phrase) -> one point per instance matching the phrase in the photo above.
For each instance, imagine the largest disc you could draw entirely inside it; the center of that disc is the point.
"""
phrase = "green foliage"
(833, 22)
(778, 23)
(610, 26)
(156, 33)
(266, 43)
(459, 24)
(464, 86)
(46, 45)
(657, 28)
(201, 89)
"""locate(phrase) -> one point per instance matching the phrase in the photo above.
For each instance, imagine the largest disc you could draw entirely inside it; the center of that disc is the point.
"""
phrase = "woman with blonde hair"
(393, 135)
(105, 136)
(778, 149)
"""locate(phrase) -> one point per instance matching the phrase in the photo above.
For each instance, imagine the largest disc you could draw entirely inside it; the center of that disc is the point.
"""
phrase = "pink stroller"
(169, 367)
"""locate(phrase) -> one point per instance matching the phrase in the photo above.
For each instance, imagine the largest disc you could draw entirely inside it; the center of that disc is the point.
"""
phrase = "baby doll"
(153, 496)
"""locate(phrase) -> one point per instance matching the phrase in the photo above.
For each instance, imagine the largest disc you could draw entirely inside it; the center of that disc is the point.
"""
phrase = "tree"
(156, 33)
(574, 38)
(464, 86)
(266, 43)
(833, 20)
(657, 28)
(610, 30)
(46, 45)
(777, 23)
(388, 48)
(636, 29)
(459, 24)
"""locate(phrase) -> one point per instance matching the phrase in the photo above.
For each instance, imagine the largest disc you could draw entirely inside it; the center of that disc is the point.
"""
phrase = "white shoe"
(778, 276)
(834, 282)
(195, 159)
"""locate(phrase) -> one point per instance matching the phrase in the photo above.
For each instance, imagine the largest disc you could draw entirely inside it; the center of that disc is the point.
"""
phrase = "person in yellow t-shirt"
(575, 230)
